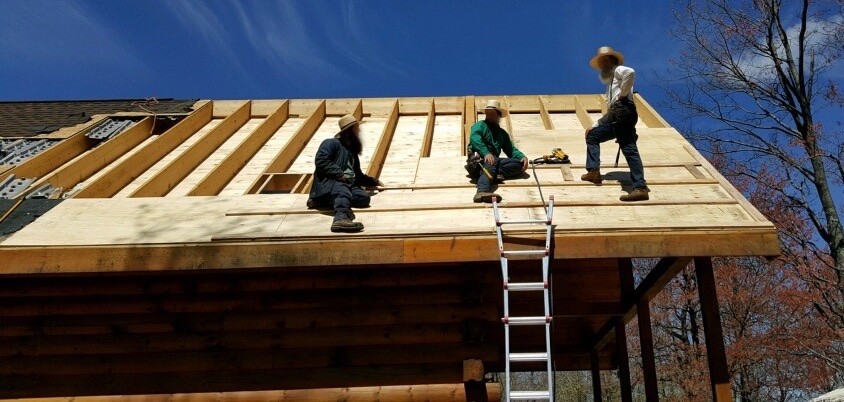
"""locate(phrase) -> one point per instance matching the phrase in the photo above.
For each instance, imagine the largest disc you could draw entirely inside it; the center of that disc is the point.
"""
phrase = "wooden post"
(625, 273)
(543, 112)
(623, 363)
(379, 156)
(428, 139)
(358, 113)
(596, 375)
(470, 117)
(647, 345)
(582, 114)
(718, 373)
(473, 381)
(505, 103)
(649, 116)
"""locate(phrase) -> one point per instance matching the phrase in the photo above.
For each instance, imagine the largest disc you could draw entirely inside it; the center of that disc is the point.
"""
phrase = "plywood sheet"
(427, 197)
(448, 131)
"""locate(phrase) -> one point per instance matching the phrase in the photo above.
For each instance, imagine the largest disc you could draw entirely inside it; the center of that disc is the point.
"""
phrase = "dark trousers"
(603, 133)
(343, 197)
(507, 167)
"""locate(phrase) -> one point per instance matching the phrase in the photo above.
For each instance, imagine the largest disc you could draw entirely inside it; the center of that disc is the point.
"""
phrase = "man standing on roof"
(619, 123)
(338, 179)
(488, 139)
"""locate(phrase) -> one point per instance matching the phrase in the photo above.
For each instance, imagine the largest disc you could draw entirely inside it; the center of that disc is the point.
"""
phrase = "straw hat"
(606, 51)
(496, 105)
(347, 121)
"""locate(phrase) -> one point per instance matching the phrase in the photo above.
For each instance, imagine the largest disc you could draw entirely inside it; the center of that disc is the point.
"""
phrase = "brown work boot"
(346, 226)
(482, 196)
(593, 176)
(638, 194)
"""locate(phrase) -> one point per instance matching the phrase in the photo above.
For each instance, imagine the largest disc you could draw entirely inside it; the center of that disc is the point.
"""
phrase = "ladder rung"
(526, 320)
(525, 286)
(528, 221)
(525, 252)
(528, 357)
(529, 395)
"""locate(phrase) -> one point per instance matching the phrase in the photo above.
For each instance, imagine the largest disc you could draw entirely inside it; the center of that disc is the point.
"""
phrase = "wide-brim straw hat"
(347, 121)
(606, 51)
(496, 105)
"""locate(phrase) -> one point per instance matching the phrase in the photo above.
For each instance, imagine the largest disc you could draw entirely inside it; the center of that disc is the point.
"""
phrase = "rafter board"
(240, 184)
(147, 174)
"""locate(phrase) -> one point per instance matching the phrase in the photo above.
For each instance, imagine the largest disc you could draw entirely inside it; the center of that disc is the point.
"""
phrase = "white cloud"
(362, 51)
(820, 35)
(198, 17)
(279, 35)
(303, 51)
(62, 33)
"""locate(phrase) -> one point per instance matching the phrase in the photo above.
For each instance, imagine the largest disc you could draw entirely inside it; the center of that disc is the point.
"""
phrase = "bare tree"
(753, 77)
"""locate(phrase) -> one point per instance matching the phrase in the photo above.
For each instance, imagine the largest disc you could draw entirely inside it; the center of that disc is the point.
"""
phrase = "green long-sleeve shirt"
(488, 138)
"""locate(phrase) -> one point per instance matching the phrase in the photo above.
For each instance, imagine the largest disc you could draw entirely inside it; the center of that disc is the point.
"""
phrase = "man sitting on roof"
(338, 179)
(488, 139)
(619, 123)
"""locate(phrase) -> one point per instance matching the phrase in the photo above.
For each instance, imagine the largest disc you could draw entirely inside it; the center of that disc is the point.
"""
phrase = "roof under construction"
(183, 255)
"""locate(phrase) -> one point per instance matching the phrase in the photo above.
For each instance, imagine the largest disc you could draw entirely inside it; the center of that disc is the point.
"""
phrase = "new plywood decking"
(427, 197)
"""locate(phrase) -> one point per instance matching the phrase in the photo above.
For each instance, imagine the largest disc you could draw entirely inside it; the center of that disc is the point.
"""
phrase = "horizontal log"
(394, 393)
(262, 359)
(567, 273)
(469, 331)
(301, 299)
(184, 342)
(334, 317)
(174, 283)
(230, 380)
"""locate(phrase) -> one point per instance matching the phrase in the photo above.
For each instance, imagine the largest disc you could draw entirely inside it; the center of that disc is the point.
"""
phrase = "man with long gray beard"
(619, 123)
(338, 179)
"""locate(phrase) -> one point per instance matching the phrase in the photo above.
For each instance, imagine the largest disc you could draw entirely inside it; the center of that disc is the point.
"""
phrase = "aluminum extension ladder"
(540, 395)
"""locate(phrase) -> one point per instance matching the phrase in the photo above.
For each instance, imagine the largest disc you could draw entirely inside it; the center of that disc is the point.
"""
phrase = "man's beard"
(606, 74)
(352, 141)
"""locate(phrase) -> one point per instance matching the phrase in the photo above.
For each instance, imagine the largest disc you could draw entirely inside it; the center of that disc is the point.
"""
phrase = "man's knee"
(599, 134)
(360, 198)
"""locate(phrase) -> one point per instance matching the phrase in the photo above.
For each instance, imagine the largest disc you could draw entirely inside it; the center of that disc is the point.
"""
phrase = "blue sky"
(259, 49)
(320, 48)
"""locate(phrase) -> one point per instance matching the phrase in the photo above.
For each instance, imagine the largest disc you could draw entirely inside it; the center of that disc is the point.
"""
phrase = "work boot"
(346, 226)
(311, 204)
(498, 179)
(638, 194)
(483, 196)
(593, 176)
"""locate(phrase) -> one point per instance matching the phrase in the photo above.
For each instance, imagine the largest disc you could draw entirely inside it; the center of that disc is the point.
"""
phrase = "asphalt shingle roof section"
(27, 119)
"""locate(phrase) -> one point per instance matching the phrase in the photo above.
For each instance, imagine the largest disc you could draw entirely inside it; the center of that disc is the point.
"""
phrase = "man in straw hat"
(619, 123)
(338, 178)
(488, 139)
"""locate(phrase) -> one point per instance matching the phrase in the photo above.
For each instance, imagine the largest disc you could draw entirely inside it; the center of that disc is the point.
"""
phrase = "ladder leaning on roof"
(546, 394)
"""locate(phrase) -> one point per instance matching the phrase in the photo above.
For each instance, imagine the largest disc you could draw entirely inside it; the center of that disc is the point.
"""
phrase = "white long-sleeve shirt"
(621, 86)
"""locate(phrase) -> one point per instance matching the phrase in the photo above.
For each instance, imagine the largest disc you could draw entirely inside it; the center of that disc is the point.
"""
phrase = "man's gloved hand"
(489, 159)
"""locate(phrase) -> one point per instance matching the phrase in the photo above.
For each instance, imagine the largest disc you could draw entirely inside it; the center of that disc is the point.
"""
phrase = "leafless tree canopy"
(753, 78)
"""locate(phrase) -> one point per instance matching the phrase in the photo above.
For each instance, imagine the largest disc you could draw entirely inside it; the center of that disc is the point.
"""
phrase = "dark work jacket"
(331, 159)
